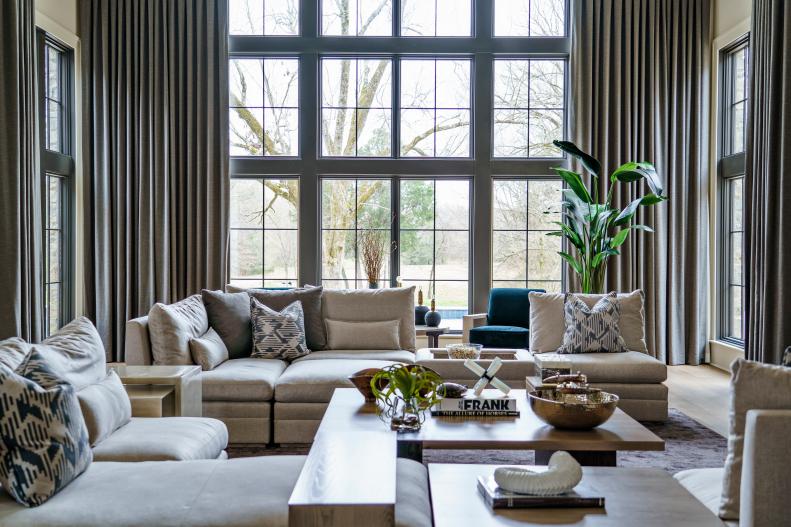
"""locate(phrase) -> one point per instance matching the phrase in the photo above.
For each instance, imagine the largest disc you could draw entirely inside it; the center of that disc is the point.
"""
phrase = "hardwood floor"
(701, 392)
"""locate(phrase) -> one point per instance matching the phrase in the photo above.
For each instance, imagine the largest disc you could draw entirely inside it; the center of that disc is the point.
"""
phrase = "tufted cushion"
(43, 436)
(171, 328)
(105, 407)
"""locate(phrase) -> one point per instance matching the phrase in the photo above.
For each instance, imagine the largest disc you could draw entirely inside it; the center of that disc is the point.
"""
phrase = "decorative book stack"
(476, 406)
(497, 498)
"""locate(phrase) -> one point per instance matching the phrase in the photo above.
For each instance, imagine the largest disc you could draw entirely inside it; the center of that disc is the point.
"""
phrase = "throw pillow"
(172, 326)
(547, 320)
(229, 316)
(311, 300)
(754, 386)
(342, 335)
(43, 438)
(13, 352)
(592, 330)
(76, 352)
(278, 335)
(209, 351)
(105, 407)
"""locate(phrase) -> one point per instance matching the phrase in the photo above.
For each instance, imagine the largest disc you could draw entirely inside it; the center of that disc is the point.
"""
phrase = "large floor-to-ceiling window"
(425, 124)
(730, 168)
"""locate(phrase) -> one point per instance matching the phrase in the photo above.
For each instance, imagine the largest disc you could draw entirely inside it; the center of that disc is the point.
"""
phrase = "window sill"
(723, 353)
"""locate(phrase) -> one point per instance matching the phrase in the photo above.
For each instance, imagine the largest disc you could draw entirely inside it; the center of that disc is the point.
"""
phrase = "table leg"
(588, 458)
(410, 450)
(433, 340)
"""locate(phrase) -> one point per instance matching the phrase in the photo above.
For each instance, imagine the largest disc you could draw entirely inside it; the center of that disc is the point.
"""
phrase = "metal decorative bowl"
(583, 410)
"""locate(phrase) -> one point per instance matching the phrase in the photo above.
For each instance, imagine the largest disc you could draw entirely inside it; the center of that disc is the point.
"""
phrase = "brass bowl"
(576, 411)
(362, 381)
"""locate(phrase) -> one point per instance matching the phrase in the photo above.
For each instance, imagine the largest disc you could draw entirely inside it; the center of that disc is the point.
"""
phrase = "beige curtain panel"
(21, 268)
(155, 153)
(768, 183)
(640, 74)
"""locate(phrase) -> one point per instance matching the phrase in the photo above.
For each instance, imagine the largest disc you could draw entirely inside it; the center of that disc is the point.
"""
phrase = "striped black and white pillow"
(43, 438)
(592, 330)
(278, 335)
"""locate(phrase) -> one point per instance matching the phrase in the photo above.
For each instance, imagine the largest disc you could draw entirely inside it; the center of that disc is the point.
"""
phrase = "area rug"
(688, 444)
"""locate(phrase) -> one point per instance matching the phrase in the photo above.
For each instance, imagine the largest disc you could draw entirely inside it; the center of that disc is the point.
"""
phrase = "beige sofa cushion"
(105, 407)
(171, 328)
(229, 493)
(705, 484)
(343, 335)
(547, 320)
(631, 367)
(13, 351)
(313, 381)
(165, 439)
(413, 506)
(242, 380)
(76, 352)
(754, 386)
(208, 351)
(406, 357)
(374, 305)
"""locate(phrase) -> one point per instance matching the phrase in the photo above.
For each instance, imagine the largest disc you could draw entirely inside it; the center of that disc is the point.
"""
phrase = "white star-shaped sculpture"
(487, 375)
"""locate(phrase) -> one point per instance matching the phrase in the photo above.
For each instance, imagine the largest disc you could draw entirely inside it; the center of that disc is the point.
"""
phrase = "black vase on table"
(420, 310)
(433, 318)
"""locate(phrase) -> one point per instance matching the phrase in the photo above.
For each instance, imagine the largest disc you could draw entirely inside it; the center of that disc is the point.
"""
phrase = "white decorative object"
(487, 375)
(562, 474)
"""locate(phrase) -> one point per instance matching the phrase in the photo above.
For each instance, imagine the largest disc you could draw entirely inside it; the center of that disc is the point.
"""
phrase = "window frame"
(730, 167)
(62, 166)
(482, 48)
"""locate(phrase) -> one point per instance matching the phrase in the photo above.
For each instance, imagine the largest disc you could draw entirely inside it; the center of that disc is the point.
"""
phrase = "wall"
(59, 18)
(731, 20)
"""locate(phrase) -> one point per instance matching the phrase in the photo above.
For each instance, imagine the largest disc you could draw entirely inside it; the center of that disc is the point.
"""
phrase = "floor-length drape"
(640, 82)
(21, 235)
(156, 144)
(768, 184)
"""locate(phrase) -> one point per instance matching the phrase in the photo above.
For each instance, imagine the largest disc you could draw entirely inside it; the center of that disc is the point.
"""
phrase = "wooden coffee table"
(348, 411)
(633, 496)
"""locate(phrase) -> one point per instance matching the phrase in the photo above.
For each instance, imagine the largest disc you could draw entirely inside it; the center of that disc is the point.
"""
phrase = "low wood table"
(185, 382)
(633, 496)
(348, 412)
(432, 334)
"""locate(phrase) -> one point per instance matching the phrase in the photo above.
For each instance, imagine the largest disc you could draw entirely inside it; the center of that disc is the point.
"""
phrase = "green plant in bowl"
(404, 393)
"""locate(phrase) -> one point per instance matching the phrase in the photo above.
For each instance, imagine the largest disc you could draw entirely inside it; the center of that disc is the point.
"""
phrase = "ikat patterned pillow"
(592, 330)
(43, 438)
(278, 335)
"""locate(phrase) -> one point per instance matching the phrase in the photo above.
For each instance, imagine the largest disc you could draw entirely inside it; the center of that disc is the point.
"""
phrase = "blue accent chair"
(507, 323)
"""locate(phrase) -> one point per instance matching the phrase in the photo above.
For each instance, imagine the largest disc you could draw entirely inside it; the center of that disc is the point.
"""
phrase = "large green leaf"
(635, 171)
(619, 238)
(599, 258)
(574, 181)
(574, 237)
(588, 161)
(652, 199)
(572, 262)
(627, 213)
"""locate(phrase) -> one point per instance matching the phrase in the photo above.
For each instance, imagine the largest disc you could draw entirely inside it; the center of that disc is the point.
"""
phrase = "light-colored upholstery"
(173, 325)
(413, 506)
(406, 357)
(379, 335)
(631, 367)
(168, 439)
(705, 484)
(137, 342)
(374, 306)
(242, 380)
(105, 407)
(76, 353)
(248, 422)
(314, 381)
(208, 351)
(13, 351)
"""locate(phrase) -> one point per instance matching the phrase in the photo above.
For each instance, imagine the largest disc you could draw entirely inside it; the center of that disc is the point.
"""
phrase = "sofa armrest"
(765, 468)
(137, 345)
(472, 321)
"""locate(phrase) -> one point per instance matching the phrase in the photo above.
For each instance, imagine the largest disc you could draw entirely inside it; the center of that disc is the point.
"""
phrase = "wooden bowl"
(362, 381)
(575, 411)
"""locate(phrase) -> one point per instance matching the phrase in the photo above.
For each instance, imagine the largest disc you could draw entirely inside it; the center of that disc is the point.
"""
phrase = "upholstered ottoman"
(513, 371)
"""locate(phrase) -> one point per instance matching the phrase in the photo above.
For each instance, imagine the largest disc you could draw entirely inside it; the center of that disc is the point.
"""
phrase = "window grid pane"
(436, 18)
(523, 255)
(360, 18)
(53, 255)
(529, 18)
(263, 17)
(264, 232)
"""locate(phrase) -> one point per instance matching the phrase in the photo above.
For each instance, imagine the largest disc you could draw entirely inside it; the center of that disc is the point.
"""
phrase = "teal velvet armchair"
(507, 322)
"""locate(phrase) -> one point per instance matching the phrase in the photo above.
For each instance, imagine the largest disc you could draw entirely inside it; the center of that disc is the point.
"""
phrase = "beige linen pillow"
(105, 407)
(13, 352)
(754, 386)
(208, 351)
(547, 320)
(381, 335)
(172, 326)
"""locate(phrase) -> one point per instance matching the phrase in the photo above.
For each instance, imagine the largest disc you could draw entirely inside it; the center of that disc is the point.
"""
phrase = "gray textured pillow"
(105, 407)
(311, 300)
(592, 330)
(13, 352)
(76, 352)
(342, 335)
(172, 326)
(43, 437)
(208, 351)
(229, 315)
(278, 335)
(754, 386)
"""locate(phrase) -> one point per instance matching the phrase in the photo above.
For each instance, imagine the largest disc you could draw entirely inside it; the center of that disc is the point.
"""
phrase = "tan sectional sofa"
(267, 400)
